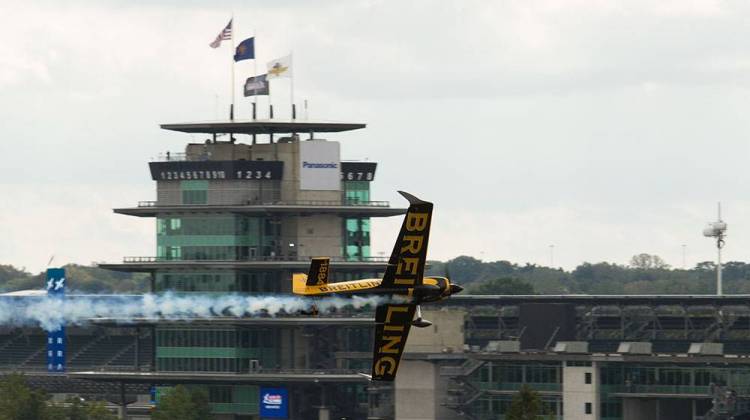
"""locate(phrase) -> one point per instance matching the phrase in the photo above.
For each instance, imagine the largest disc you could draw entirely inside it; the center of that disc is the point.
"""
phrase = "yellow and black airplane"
(404, 276)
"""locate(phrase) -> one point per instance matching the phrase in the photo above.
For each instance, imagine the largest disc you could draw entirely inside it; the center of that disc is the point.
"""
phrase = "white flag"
(280, 67)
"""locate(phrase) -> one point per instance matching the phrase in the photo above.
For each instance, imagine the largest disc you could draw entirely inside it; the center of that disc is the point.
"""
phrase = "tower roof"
(263, 127)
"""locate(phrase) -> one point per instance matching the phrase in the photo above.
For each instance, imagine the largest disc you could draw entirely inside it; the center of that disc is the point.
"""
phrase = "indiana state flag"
(246, 50)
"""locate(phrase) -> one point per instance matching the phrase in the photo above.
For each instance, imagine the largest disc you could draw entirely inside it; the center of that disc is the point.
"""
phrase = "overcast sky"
(605, 129)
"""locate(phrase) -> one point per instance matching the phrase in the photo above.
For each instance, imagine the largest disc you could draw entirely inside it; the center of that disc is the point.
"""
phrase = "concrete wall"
(675, 409)
(576, 392)
(217, 151)
(285, 151)
(418, 390)
(289, 154)
(319, 235)
(446, 333)
(657, 409)
(638, 409)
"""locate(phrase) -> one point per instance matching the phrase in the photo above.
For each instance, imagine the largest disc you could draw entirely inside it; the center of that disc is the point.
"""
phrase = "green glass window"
(218, 237)
(357, 238)
(508, 374)
(194, 192)
(220, 394)
(611, 409)
(356, 192)
(218, 281)
(161, 226)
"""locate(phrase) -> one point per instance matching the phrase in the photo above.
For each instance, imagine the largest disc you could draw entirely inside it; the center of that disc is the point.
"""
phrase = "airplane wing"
(392, 328)
(406, 265)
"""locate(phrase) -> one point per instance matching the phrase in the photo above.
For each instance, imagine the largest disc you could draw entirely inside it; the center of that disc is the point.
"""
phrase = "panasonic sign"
(314, 165)
(320, 165)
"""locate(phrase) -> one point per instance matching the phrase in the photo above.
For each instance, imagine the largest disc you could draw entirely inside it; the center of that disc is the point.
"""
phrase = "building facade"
(613, 357)
(234, 218)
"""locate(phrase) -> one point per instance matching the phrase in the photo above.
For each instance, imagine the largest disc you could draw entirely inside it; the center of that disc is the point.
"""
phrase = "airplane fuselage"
(432, 289)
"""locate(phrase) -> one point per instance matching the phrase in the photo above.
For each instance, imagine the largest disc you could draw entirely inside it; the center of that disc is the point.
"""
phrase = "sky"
(593, 129)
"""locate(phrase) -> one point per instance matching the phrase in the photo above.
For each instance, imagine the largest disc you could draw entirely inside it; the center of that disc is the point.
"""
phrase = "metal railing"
(171, 157)
(669, 389)
(37, 369)
(321, 203)
(147, 259)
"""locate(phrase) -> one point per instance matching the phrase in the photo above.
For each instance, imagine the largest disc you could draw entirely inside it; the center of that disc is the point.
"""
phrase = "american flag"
(225, 34)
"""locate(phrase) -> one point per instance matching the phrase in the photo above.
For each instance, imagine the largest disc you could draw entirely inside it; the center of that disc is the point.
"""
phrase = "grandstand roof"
(254, 321)
(26, 293)
(263, 377)
(599, 299)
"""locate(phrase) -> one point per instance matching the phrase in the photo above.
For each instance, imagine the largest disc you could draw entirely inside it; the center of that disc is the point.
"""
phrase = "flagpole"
(255, 69)
(231, 86)
(291, 79)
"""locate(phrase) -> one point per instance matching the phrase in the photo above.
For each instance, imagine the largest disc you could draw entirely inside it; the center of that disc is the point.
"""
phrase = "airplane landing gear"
(419, 322)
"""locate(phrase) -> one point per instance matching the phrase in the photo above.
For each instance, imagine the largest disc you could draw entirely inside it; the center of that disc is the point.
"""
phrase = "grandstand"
(89, 348)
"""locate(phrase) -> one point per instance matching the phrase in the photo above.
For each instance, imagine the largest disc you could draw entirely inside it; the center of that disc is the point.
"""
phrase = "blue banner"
(274, 403)
(56, 339)
(246, 50)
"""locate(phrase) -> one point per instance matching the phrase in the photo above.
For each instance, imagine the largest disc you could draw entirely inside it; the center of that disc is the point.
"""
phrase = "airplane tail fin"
(318, 276)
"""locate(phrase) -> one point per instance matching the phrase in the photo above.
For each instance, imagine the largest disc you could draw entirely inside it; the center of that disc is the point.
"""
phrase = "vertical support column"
(323, 412)
(359, 238)
(153, 348)
(123, 403)
(137, 358)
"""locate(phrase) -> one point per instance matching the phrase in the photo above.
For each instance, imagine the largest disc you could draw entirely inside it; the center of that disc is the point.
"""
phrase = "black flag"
(257, 85)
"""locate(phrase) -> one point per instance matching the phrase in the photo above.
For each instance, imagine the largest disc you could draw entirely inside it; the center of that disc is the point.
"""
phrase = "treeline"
(645, 274)
(80, 279)
(19, 401)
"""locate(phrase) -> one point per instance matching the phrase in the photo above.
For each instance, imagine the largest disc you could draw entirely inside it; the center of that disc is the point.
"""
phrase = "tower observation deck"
(268, 204)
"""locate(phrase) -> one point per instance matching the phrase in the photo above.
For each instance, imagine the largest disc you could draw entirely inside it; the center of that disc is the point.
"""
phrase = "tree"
(464, 269)
(503, 286)
(180, 403)
(79, 409)
(526, 405)
(19, 402)
(199, 398)
(648, 262)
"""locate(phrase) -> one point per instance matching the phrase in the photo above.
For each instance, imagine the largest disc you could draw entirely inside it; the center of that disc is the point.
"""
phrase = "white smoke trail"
(50, 313)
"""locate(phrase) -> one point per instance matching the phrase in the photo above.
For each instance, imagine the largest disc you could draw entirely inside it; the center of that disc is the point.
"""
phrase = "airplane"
(404, 277)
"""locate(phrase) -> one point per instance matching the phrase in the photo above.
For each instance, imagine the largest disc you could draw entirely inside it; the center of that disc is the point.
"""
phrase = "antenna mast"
(717, 230)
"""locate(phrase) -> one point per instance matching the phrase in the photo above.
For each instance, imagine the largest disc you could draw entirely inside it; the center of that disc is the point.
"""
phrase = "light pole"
(717, 230)
(551, 256)
(684, 266)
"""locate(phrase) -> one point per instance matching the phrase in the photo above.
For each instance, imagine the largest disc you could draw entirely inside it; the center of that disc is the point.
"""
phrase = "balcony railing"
(171, 157)
(132, 260)
(284, 203)
(72, 367)
(670, 389)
